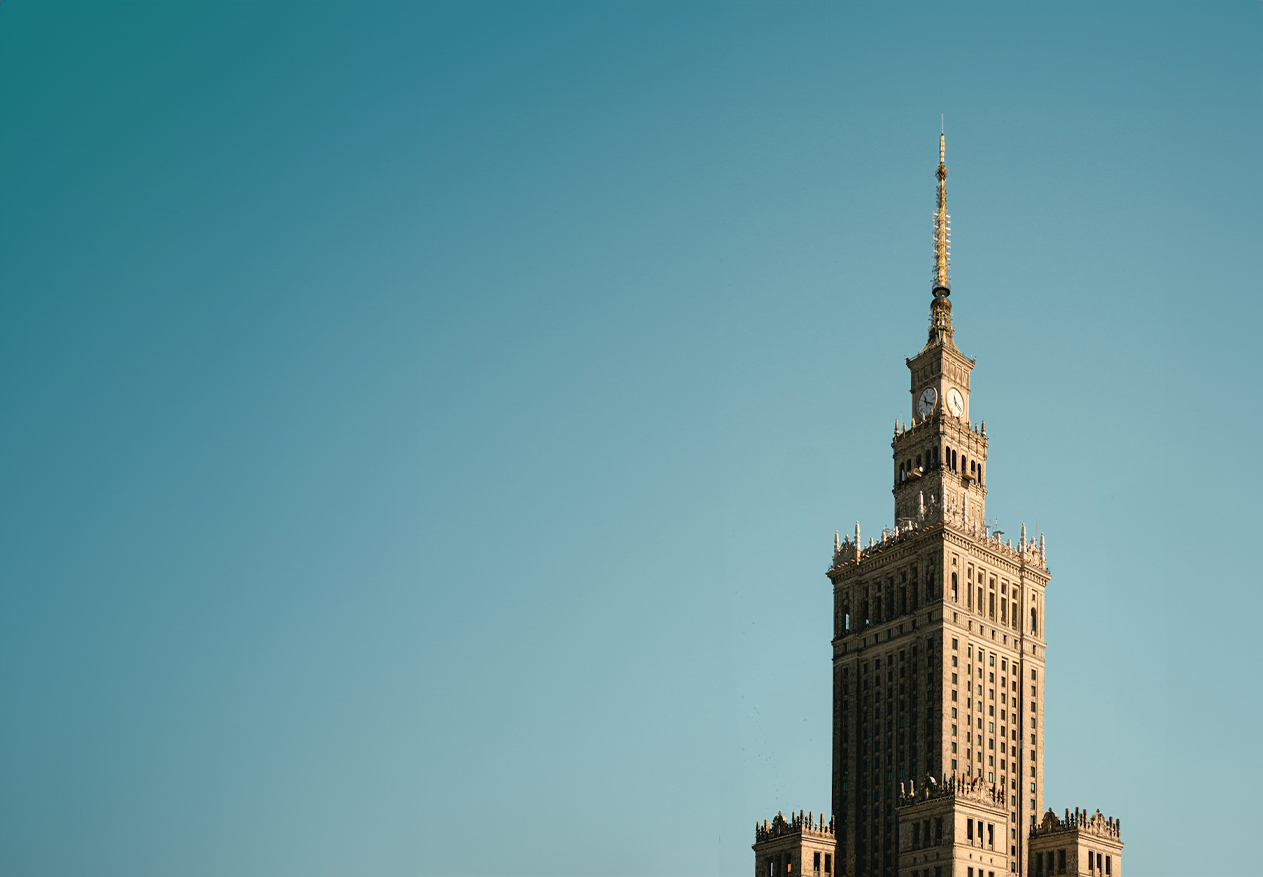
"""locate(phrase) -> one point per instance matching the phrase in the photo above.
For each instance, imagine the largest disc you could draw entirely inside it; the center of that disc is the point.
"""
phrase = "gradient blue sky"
(423, 427)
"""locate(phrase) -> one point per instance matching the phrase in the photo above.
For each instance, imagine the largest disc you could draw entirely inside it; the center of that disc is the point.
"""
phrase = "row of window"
(969, 833)
(1054, 862)
(931, 459)
(882, 600)
(921, 836)
(784, 864)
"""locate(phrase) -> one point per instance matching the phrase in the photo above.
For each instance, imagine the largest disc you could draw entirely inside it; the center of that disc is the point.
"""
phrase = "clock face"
(926, 403)
(955, 403)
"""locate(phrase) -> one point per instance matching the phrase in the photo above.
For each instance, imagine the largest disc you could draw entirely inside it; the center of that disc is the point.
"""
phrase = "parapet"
(1078, 820)
(935, 511)
(960, 787)
(805, 824)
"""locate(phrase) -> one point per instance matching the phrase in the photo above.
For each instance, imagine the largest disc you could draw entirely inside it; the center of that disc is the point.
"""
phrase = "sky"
(423, 427)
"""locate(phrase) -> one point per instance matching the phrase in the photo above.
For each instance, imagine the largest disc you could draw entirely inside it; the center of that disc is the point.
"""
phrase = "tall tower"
(938, 648)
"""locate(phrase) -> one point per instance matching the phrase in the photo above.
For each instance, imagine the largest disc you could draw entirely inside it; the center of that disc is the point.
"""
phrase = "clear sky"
(423, 427)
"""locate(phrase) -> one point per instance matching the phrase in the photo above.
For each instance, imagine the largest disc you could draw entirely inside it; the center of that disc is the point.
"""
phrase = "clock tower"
(938, 649)
(938, 665)
(939, 456)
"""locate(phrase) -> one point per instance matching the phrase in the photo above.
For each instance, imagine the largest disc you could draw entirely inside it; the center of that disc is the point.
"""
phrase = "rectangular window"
(815, 861)
(828, 862)
(1107, 866)
(969, 830)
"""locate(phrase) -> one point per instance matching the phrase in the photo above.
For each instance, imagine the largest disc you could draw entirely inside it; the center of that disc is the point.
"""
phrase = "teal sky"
(423, 427)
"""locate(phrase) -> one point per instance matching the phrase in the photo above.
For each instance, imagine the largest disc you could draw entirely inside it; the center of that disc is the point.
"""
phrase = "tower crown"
(941, 308)
(942, 227)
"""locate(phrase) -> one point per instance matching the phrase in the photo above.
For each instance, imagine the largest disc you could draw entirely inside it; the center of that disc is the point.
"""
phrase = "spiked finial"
(942, 227)
(940, 307)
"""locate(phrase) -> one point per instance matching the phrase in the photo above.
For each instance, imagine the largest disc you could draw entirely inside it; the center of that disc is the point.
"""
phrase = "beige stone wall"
(975, 836)
(793, 855)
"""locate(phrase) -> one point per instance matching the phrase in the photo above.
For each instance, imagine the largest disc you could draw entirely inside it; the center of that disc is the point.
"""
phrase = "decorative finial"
(941, 308)
(942, 227)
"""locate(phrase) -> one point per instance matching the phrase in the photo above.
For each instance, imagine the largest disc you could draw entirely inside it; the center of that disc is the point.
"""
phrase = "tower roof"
(942, 278)
(940, 307)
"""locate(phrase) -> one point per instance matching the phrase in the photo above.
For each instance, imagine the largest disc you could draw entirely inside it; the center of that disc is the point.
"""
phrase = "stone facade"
(939, 654)
(1090, 846)
(798, 845)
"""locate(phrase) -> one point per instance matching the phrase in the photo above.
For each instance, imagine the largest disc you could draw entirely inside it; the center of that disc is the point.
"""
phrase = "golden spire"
(942, 227)
(940, 307)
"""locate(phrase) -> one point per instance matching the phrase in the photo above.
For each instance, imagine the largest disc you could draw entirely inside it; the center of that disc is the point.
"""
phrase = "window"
(815, 861)
(969, 830)
(828, 862)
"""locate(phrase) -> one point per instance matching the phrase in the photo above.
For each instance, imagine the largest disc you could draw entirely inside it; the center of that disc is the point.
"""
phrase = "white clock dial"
(926, 403)
(955, 403)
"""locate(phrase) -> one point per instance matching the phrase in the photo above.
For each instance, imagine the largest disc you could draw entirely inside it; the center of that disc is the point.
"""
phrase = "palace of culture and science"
(938, 667)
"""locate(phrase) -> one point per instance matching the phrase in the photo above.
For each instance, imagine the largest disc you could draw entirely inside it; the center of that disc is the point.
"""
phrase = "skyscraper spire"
(942, 227)
(940, 307)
